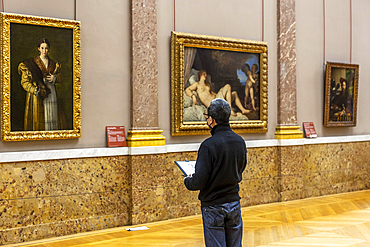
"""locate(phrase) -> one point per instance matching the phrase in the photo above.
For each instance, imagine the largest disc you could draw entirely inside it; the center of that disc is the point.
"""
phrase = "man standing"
(218, 170)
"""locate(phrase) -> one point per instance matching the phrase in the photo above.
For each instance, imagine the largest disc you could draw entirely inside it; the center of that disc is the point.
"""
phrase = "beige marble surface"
(287, 91)
(144, 84)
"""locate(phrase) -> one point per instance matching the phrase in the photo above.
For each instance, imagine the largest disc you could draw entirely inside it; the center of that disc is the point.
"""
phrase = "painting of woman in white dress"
(41, 78)
(41, 71)
(38, 78)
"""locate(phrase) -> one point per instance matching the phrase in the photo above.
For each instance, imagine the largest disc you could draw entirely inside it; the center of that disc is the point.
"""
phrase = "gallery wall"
(105, 66)
(312, 54)
(105, 56)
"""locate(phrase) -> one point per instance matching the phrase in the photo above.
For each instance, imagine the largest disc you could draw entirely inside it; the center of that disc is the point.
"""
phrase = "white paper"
(187, 167)
(139, 228)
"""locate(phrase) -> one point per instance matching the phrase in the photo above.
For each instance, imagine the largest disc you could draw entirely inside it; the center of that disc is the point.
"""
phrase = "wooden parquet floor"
(336, 220)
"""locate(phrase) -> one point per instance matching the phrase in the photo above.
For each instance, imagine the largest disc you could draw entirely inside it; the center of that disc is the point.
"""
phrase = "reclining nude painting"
(230, 75)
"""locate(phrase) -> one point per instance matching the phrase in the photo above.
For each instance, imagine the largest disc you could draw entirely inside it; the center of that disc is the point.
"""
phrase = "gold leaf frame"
(327, 101)
(6, 133)
(178, 43)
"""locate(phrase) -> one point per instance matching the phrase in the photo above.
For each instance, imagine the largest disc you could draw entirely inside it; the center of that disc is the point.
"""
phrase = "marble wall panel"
(262, 162)
(180, 201)
(291, 161)
(63, 177)
(148, 188)
(181, 196)
(148, 171)
(183, 210)
(55, 198)
(36, 211)
(62, 228)
(290, 195)
(158, 188)
(259, 198)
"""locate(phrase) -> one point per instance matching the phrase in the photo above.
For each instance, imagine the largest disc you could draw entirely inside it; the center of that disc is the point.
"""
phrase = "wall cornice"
(171, 148)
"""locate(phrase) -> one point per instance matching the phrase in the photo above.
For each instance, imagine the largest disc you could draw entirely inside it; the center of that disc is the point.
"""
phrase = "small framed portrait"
(207, 67)
(341, 92)
(40, 78)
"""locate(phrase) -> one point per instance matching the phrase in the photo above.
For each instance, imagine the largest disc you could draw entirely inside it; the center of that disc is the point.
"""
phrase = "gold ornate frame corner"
(6, 20)
(340, 121)
(179, 41)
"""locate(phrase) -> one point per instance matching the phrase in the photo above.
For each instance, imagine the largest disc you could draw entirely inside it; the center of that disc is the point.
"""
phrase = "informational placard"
(116, 136)
(309, 130)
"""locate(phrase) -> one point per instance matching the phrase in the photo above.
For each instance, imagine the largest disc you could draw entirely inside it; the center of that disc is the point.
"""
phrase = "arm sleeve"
(26, 79)
(58, 76)
(203, 170)
(245, 161)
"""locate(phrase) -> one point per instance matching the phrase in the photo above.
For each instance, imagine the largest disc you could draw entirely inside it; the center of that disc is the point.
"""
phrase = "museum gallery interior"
(98, 102)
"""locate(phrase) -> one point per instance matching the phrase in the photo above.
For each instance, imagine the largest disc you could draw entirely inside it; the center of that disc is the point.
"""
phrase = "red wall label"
(116, 136)
(309, 130)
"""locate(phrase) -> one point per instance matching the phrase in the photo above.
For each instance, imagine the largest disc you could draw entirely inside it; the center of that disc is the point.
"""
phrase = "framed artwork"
(341, 92)
(208, 67)
(40, 78)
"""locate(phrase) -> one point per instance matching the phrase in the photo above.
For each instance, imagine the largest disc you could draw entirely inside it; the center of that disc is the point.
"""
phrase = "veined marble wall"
(43, 199)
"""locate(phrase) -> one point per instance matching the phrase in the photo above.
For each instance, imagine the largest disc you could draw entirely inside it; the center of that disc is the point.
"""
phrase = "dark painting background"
(23, 45)
(224, 67)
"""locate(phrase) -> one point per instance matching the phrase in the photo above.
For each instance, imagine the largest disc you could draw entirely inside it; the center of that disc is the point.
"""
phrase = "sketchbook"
(187, 167)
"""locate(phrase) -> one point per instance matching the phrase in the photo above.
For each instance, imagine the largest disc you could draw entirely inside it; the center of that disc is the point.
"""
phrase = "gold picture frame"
(39, 101)
(341, 93)
(234, 69)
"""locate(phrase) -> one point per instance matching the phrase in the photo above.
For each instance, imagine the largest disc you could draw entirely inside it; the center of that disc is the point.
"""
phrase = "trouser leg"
(214, 226)
(233, 225)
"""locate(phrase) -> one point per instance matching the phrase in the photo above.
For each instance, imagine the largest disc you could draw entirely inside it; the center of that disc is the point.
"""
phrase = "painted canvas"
(41, 76)
(207, 67)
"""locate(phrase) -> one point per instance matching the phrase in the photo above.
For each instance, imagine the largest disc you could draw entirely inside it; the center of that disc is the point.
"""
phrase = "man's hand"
(189, 176)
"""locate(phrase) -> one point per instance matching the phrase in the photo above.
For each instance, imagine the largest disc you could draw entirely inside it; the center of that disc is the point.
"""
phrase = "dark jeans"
(223, 225)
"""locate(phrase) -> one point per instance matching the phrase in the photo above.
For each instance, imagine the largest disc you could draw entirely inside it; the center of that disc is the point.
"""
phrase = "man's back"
(220, 163)
(218, 171)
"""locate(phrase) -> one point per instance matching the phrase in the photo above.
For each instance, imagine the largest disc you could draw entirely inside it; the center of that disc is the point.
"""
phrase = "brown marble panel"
(148, 171)
(150, 215)
(287, 99)
(149, 205)
(292, 182)
(291, 160)
(63, 228)
(258, 198)
(183, 210)
(360, 151)
(89, 205)
(262, 162)
(63, 177)
(293, 195)
(260, 185)
(179, 195)
(36, 211)
(144, 90)
(259, 191)
(20, 213)
(316, 159)
(97, 193)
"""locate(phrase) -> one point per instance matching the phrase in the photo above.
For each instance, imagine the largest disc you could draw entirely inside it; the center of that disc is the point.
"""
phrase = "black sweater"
(218, 170)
